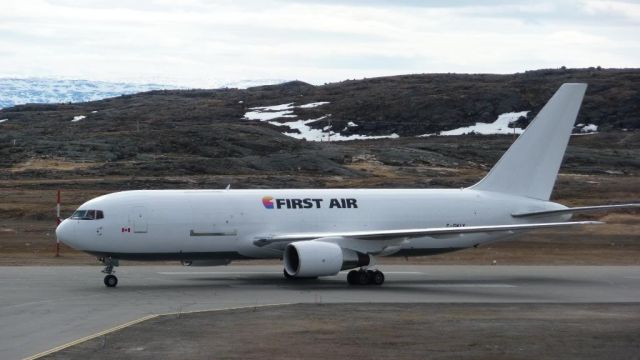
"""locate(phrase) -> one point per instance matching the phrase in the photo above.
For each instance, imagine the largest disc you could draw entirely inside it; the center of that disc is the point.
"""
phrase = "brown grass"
(50, 164)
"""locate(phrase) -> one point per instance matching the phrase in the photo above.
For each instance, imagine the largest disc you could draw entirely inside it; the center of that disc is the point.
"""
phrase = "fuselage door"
(138, 217)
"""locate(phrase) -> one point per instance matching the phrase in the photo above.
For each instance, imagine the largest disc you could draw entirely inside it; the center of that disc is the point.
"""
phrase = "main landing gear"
(110, 280)
(365, 277)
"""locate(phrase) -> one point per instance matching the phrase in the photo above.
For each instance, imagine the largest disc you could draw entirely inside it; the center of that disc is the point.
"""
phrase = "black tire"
(351, 277)
(362, 278)
(110, 281)
(377, 278)
(370, 276)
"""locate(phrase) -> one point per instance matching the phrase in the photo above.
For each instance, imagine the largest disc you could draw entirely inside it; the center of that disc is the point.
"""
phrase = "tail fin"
(530, 166)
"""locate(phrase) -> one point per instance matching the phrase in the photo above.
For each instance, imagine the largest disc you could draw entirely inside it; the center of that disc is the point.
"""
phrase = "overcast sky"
(207, 43)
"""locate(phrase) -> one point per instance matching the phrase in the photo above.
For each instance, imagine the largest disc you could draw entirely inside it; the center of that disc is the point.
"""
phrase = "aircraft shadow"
(512, 288)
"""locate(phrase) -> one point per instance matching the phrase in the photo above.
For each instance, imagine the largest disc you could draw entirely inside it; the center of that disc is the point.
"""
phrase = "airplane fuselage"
(225, 224)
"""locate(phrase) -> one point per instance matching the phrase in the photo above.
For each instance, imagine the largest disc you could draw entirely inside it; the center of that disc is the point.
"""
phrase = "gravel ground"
(380, 331)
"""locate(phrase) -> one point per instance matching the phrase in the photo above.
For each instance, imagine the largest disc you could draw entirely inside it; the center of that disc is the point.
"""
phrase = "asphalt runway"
(44, 307)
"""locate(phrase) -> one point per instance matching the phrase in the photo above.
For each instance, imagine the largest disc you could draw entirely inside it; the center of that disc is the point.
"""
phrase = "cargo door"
(213, 227)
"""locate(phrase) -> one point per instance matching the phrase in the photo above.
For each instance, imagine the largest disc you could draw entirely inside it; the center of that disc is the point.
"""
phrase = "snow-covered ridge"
(284, 111)
(47, 91)
(18, 91)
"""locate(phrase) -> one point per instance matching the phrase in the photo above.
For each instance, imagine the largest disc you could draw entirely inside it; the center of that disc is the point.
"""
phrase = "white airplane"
(319, 232)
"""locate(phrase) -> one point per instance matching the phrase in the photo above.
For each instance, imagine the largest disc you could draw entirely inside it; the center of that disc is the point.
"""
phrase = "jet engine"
(318, 258)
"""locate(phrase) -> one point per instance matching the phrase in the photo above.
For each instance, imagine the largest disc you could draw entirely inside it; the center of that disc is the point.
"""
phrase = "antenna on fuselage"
(228, 187)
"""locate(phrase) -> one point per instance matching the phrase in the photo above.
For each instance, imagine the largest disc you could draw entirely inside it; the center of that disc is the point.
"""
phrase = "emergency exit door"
(138, 219)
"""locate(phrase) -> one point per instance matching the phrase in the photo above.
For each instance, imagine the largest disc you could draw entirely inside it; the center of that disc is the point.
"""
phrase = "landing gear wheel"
(110, 281)
(362, 277)
(365, 277)
(377, 278)
(351, 277)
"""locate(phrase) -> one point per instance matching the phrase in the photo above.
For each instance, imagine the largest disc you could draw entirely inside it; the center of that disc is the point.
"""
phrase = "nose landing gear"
(110, 280)
(365, 277)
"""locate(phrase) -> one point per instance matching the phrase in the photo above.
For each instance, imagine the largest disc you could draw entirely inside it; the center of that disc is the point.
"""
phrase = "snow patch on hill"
(312, 105)
(500, 126)
(587, 129)
(270, 113)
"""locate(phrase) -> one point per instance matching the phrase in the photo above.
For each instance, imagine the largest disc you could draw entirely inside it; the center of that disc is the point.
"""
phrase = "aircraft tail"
(530, 166)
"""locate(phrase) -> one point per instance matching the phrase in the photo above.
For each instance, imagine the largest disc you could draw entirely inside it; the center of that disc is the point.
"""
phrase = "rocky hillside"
(241, 131)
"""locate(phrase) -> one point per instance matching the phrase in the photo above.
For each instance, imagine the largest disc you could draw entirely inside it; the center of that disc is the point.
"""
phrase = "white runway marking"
(468, 285)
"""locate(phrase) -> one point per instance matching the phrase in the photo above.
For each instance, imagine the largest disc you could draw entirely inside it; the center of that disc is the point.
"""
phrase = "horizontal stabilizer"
(581, 209)
(414, 233)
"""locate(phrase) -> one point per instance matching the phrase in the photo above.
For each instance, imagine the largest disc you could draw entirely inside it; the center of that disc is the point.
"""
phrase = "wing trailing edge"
(413, 233)
(581, 209)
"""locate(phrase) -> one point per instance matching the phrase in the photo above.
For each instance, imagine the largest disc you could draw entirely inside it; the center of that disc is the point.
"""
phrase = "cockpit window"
(87, 215)
(79, 214)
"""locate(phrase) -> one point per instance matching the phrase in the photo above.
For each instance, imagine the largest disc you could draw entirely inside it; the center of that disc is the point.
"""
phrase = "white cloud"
(623, 9)
(207, 43)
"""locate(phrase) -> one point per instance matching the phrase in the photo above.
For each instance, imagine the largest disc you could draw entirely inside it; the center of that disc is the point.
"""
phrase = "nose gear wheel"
(110, 280)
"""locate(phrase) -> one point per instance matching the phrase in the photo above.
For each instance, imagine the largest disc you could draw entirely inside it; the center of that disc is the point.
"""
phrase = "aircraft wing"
(580, 209)
(413, 233)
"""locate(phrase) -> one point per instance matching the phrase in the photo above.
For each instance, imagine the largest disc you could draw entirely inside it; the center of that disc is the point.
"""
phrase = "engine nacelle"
(318, 258)
(212, 262)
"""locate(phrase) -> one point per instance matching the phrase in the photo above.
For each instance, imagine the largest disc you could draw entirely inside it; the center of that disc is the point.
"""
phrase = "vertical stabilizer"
(530, 166)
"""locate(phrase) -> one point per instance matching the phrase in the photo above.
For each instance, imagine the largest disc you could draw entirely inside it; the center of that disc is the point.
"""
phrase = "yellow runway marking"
(137, 321)
(87, 338)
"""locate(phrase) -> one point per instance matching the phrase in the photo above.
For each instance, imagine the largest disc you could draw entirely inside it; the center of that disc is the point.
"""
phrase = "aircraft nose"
(65, 232)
